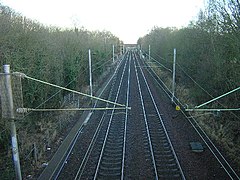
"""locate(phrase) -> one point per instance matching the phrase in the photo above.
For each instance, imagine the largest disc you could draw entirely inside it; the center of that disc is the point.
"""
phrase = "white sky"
(127, 19)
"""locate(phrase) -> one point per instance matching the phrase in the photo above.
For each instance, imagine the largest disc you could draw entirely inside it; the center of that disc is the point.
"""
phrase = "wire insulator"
(23, 110)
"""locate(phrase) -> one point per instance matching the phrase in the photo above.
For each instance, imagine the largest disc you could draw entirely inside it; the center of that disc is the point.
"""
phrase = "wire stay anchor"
(214, 99)
(25, 110)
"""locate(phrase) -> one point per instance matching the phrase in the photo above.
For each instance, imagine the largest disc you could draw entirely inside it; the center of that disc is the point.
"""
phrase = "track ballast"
(125, 144)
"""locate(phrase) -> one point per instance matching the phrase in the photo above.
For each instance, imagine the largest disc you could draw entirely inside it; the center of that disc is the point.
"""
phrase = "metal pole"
(113, 52)
(90, 72)
(174, 73)
(13, 126)
(105, 43)
(149, 52)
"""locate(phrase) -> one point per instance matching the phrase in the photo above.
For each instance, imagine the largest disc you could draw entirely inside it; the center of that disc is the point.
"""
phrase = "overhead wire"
(3, 131)
(178, 100)
(159, 62)
(185, 74)
(207, 91)
(76, 109)
(56, 93)
(194, 80)
(70, 90)
(24, 110)
(234, 109)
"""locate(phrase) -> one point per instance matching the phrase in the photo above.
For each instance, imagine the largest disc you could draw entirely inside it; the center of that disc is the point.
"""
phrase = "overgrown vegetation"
(208, 57)
(55, 55)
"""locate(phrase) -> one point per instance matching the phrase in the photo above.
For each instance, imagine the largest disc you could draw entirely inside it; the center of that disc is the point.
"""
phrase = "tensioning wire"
(215, 99)
(70, 90)
(25, 110)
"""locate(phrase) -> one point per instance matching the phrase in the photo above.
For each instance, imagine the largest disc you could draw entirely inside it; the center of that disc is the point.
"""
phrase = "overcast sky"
(127, 19)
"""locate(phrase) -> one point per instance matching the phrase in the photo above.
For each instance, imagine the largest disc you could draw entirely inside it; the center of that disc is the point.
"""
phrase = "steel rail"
(146, 124)
(70, 148)
(92, 143)
(89, 150)
(109, 125)
(161, 121)
(68, 153)
(207, 141)
(126, 119)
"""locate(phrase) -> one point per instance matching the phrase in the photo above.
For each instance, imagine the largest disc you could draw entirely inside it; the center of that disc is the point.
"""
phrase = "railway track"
(104, 145)
(163, 156)
(109, 149)
(125, 144)
(225, 165)
(107, 155)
